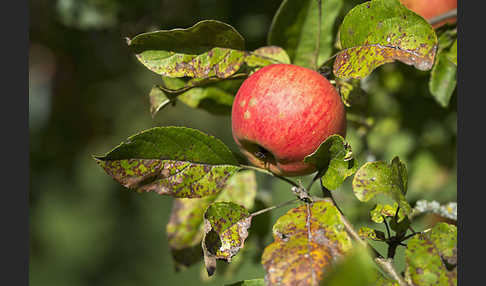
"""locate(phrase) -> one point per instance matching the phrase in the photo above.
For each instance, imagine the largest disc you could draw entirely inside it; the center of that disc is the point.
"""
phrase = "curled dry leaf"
(225, 231)
(185, 227)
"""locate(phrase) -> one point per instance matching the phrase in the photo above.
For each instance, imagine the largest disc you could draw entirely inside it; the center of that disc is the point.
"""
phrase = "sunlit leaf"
(266, 56)
(432, 256)
(176, 161)
(185, 227)
(208, 49)
(158, 99)
(382, 31)
(385, 210)
(373, 234)
(225, 231)
(381, 178)
(307, 240)
(295, 27)
(334, 161)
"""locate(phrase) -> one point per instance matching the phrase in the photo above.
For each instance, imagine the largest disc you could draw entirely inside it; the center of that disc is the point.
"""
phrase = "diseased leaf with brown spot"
(385, 210)
(307, 240)
(185, 227)
(382, 31)
(432, 256)
(266, 56)
(176, 161)
(334, 160)
(381, 178)
(208, 49)
(225, 231)
(373, 234)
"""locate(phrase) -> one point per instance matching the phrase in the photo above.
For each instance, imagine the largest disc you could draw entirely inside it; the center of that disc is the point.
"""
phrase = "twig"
(273, 207)
(387, 266)
(442, 17)
(268, 172)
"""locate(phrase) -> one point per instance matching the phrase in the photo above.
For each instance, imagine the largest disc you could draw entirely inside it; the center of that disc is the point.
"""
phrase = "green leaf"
(350, 91)
(225, 231)
(307, 239)
(252, 282)
(385, 210)
(158, 99)
(266, 56)
(212, 94)
(382, 31)
(176, 161)
(208, 49)
(334, 161)
(452, 54)
(373, 234)
(432, 256)
(295, 27)
(443, 76)
(185, 227)
(380, 178)
(274, 53)
(357, 268)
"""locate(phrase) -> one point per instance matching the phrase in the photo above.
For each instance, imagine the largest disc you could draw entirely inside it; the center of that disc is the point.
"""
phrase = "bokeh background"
(87, 93)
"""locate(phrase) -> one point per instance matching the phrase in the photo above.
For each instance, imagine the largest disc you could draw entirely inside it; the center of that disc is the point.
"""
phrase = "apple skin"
(282, 113)
(429, 9)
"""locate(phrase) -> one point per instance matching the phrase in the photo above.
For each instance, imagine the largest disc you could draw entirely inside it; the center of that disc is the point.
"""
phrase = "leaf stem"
(442, 17)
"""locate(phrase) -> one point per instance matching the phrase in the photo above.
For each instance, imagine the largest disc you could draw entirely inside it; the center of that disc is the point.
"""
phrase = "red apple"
(429, 9)
(282, 113)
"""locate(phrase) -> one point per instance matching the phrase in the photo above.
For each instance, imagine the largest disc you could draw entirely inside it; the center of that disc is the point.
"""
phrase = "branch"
(442, 17)
(385, 264)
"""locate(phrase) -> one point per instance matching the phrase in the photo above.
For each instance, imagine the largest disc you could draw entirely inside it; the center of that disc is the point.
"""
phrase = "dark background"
(87, 93)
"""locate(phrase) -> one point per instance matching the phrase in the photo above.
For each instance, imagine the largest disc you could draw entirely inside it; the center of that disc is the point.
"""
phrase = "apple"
(282, 113)
(429, 9)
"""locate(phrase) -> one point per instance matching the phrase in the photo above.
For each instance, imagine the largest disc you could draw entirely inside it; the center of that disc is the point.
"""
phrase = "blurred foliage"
(87, 93)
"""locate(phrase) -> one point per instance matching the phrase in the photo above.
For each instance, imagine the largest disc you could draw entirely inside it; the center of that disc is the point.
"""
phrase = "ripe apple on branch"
(282, 113)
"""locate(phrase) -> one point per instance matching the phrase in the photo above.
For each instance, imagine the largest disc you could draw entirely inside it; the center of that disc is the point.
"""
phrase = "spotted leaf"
(382, 31)
(185, 227)
(225, 231)
(208, 49)
(176, 161)
(307, 240)
(431, 257)
(380, 178)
